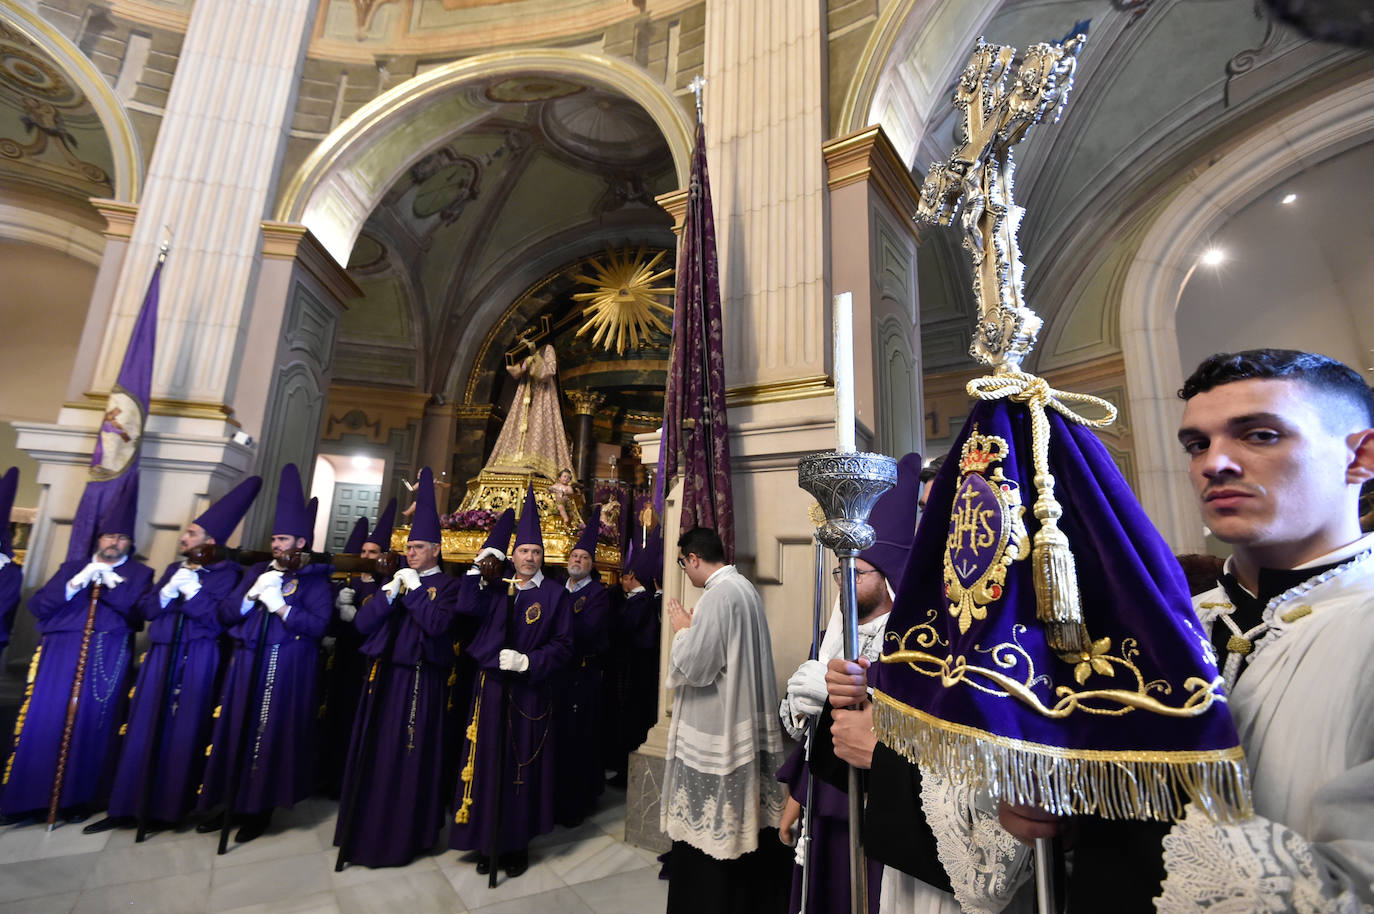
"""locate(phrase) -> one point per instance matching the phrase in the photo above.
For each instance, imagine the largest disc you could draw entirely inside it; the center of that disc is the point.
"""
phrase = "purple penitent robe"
(394, 775)
(265, 729)
(173, 698)
(31, 770)
(514, 712)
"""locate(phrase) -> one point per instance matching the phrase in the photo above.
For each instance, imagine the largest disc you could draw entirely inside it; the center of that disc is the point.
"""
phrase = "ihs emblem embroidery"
(986, 532)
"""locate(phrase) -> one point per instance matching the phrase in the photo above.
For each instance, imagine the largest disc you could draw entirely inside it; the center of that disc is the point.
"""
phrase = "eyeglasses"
(857, 573)
(681, 562)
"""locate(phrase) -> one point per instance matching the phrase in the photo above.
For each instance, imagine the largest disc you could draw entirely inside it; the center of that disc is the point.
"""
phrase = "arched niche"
(346, 176)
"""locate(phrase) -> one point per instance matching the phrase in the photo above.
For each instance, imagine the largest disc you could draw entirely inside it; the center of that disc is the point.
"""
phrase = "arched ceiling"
(1305, 243)
(1158, 82)
(544, 170)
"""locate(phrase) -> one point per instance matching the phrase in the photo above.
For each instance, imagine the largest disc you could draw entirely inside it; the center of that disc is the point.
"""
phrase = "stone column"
(585, 404)
(211, 181)
(765, 120)
(873, 256)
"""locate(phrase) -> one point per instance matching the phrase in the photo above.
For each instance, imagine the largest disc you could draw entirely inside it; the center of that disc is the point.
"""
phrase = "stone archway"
(1165, 260)
(336, 189)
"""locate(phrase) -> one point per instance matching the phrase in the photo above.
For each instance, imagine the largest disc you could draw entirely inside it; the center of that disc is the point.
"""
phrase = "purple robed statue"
(521, 649)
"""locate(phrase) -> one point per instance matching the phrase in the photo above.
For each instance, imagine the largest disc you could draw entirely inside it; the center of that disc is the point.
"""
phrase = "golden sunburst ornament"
(621, 310)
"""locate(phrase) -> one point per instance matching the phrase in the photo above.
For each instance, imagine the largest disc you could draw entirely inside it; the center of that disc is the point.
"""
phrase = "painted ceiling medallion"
(622, 309)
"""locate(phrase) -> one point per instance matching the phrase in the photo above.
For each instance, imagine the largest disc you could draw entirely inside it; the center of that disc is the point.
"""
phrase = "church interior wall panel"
(43, 309)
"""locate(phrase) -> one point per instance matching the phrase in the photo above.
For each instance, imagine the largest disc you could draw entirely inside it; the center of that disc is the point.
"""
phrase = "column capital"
(868, 155)
(292, 241)
(119, 217)
(585, 402)
(675, 203)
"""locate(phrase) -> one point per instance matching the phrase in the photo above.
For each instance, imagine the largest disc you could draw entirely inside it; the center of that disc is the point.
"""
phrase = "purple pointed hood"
(527, 531)
(381, 534)
(894, 521)
(220, 519)
(424, 526)
(291, 519)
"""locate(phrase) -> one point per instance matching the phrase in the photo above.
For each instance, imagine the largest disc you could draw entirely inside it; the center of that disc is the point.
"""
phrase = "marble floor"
(291, 869)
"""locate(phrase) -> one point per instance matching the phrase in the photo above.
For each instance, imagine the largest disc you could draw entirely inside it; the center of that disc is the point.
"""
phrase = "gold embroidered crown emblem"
(980, 452)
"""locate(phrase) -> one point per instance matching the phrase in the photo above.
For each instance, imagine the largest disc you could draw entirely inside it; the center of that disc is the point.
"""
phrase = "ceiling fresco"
(50, 137)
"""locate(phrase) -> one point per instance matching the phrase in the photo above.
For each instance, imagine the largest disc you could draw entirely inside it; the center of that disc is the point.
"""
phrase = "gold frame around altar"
(499, 491)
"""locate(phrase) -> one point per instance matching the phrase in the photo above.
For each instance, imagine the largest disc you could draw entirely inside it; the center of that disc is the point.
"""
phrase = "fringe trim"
(1121, 784)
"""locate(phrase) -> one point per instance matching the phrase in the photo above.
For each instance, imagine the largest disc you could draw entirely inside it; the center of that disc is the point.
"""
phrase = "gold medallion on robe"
(433, 592)
(532, 614)
(289, 587)
(986, 531)
(577, 606)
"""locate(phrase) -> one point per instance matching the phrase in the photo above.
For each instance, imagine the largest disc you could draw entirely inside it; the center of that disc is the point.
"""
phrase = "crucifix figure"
(994, 117)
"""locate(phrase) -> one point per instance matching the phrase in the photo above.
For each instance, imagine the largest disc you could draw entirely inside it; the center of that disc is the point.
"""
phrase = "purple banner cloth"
(695, 440)
(1126, 729)
(118, 442)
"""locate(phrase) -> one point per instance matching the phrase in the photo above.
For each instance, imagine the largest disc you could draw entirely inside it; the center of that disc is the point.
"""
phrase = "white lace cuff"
(1254, 866)
(985, 864)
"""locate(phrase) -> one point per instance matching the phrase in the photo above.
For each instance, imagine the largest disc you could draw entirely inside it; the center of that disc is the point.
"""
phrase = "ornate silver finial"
(993, 118)
(698, 85)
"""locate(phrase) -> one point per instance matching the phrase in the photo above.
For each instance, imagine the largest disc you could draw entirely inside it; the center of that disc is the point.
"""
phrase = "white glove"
(345, 598)
(793, 721)
(274, 601)
(328, 642)
(269, 578)
(347, 612)
(105, 576)
(513, 661)
(191, 586)
(4, 560)
(806, 688)
(802, 842)
(410, 577)
(392, 588)
(83, 577)
(174, 584)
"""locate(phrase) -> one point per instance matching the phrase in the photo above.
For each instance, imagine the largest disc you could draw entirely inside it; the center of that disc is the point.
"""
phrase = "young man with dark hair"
(721, 800)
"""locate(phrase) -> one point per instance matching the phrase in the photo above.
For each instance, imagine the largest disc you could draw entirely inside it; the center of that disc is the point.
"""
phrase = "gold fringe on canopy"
(1056, 577)
(1113, 784)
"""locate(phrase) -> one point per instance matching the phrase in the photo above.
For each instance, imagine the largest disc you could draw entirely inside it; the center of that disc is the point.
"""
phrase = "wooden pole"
(64, 752)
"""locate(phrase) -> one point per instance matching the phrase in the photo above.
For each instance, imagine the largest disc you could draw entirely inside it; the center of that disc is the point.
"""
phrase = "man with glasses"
(721, 800)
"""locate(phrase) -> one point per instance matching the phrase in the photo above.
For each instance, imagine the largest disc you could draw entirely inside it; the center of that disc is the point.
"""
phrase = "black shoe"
(210, 826)
(107, 824)
(76, 815)
(253, 827)
(515, 864)
(483, 866)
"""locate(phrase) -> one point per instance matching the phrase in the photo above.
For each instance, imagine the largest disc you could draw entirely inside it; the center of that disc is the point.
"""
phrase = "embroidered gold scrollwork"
(1006, 670)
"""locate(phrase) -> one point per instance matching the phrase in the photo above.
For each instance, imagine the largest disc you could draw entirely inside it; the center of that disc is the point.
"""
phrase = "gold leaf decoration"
(622, 309)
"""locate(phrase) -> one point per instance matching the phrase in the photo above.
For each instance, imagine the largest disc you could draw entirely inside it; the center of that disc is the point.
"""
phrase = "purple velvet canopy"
(1132, 725)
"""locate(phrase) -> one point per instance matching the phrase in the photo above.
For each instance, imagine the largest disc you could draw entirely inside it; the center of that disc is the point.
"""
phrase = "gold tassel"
(23, 712)
(462, 816)
(1057, 603)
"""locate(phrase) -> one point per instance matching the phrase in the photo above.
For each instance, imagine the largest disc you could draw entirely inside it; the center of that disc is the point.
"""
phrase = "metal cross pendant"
(993, 118)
